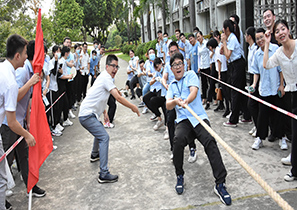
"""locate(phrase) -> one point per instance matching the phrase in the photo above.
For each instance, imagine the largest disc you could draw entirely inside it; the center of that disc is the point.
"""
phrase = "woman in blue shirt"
(233, 52)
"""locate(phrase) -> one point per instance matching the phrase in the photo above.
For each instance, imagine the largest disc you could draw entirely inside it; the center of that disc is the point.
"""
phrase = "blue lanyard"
(180, 90)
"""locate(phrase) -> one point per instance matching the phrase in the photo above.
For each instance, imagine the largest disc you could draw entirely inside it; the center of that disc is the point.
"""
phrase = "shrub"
(118, 40)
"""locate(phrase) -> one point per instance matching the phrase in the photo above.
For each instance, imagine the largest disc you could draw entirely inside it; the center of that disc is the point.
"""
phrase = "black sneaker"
(37, 192)
(271, 138)
(94, 158)
(220, 190)
(226, 113)
(179, 187)
(218, 109)
(107, 178)
(207, 106)
(8, 206)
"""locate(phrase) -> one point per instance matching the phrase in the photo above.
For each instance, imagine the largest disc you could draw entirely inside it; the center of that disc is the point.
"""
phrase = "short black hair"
(177, 55)
(55, 48)
(271, 10)
(31, 50)
(102, 46)
(15, 44)
(216, 33)
(173, 43)
(229, 24)
(149, 50)
(66, 39)
(94, 51)
(45, 48)
(196, 29)
(177, 30)
(159, 32)
(280, 21)
(165, 33)
(110, 58)
(132, 51)
(141, 61)
(157, 61)
(199, 32)
(75, 46)
(85, 44)
(212, 43)
(260, 30)
(191, 35)
(64, 50)
(95, 42)
(182, 34)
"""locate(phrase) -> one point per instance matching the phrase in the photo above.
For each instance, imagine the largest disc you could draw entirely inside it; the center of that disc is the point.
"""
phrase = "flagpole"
(30, 200)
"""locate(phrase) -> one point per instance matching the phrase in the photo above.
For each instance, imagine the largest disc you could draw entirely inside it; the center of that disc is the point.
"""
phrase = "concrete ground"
(141, 158)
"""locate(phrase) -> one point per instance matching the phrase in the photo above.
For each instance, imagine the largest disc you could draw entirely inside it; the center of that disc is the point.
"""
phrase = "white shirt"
(222, 58)
(97, 96)
(203, 55)
(8, 89)
(252, 50)
(288, 66)
(84, 63)
(53, 78)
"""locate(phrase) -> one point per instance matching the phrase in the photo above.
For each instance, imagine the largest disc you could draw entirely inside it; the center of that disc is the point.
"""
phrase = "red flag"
(38, 122)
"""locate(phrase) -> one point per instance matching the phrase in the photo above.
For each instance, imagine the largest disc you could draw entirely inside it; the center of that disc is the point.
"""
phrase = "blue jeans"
(101, 139)
(146, 88)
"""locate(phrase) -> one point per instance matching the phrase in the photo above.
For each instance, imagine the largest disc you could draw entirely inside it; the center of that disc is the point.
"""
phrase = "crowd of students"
(169, 79)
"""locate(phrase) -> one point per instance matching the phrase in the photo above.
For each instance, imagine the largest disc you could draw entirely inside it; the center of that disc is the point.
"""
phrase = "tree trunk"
(148, 25)
(155, 22)
(134, 21)
(164, 14)
(142, 28)
(192, 14)
(128, 30)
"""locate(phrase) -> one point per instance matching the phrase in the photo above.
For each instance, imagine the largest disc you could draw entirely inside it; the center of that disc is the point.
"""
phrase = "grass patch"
(114, 52)
(124, 57)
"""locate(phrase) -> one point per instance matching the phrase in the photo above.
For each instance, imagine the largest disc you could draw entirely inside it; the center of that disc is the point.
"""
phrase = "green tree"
(118, 40)
(68, 20)
(4, 33)
(47, 28)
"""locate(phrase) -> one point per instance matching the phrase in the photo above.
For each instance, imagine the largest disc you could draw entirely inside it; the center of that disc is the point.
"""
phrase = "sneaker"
(107, 178)
(60, 127)
(227, 112)
(57, 132)
(153, 117)
(70, 114)
(8, 193)
(75, 105)
(158, 125)
(108, 125)
(287, 160)
(179, 187)
(171, 156)
(193, 156)
(228, 124)
(132, 98)
(283, 143)
(220, 190)
(94, 158)
(228, 116)
(126, 93)
(271, 138)
(253, 130)
(8, 206)
(207, 106)
(255, 133)
(37, 192)
(257, 144)
(145, 110)
(219, 108)
(55, 147)
(245, 121)
(67, 123)
(141, 104)
(289, 177)
(166, 135)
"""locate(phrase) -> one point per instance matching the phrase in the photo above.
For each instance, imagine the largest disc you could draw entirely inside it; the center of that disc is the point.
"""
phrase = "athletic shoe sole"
(37, 195)
(94, 160)
(218, 194)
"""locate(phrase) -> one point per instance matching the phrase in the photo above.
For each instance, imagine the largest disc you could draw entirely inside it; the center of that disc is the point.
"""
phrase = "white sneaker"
(67, 123)
(158, 125)
(289, 177)
(145, 110)
(153, 118)
(283, 143)
(55, 147)
(257, 144)
(286, 160)
(166, 135)
(228, 116)
(108, 125)
(253, 130)
(8, 193)
(193, 156)
(57, 132)
(171, 156)
(59, 127)
(255, 133)
(75, 105)
(70, 114)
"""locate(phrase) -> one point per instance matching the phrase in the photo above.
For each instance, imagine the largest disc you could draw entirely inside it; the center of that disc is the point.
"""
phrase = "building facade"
(208, 15)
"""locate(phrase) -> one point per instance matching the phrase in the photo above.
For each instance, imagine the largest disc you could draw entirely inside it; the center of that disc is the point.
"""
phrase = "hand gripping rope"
(21, 138)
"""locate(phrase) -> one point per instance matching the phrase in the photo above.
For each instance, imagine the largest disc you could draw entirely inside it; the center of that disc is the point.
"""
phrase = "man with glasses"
(184, 91)
(93, 106)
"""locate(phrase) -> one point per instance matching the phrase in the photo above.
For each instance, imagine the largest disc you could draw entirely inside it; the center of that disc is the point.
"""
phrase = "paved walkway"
(140, 157)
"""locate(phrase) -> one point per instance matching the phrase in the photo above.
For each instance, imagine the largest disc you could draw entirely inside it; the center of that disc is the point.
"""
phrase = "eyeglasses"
(177, 65)
(173, 51)
(114, 66)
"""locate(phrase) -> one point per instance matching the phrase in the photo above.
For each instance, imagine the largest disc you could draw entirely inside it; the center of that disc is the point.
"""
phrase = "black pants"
(286, 105)
(63, 100)
(77, 86)
(238, 101)
(52, 114)
(204, 82)
(154, 102)
(185, 133)
(253, 105)
(132, 84)
(84, 85)
(93, 79)
(265, 114)
(212, 84)
(294, 134)
(225, 90)
(21, 150)
(112, 106)
(70, 93)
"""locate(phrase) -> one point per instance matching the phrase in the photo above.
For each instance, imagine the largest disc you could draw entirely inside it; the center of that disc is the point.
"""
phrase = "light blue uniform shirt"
(188, 48)
(269, 80)
(194, 57)
(158, 85)
(22, 75)
(70, 58)
(181, 45)
(167, 69)
(149, 66)
(158, 48)
(233, 44)
(181, 89)
(93, 63)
